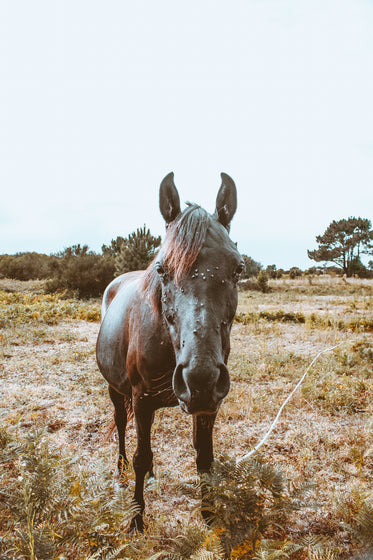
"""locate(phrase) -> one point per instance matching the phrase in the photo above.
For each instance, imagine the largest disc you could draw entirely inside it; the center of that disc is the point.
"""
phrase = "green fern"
(356, 512)
(276, 550)
(363, 524)
(196, 544)
(360, 523)
(54, 509)
(247, 500)
(317, 547)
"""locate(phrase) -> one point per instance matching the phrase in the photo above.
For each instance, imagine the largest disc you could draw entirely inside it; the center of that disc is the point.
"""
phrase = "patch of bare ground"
(49, 379)
(21, 286)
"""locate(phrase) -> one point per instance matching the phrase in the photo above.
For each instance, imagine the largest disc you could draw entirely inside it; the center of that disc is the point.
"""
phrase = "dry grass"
(49, 379)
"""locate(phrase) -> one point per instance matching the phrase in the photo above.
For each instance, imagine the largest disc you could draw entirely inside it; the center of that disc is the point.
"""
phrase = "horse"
(164, 338)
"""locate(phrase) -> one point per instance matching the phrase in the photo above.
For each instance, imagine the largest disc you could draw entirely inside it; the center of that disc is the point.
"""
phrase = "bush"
(246, 285)
(271, 270)
(81, 271)
(294, 272)
(26, 266)
(17, 308)
(259, 285)
(262, 281)
(248, 500)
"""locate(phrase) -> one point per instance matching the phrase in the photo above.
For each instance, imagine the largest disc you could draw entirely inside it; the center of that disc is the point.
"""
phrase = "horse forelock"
(184, 240)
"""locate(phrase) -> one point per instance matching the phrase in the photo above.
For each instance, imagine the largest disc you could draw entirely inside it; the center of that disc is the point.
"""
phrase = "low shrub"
(358, 324)
(271, 316)
(262, 281)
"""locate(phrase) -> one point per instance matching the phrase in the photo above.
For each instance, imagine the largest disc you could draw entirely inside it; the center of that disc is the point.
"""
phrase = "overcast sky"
(99, 100)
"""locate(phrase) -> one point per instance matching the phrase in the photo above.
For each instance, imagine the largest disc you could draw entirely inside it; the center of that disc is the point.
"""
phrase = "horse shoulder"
(115, 286)
(150, 351)
(120, 299)
(133, 344)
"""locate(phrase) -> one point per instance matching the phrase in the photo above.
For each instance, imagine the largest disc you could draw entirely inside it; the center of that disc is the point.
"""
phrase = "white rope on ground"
(259, 445)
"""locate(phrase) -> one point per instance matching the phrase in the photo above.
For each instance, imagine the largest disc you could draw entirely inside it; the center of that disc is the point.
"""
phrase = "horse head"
(199, 267)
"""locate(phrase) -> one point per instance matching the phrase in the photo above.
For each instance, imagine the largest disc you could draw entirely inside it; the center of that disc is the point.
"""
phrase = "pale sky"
(99, 100)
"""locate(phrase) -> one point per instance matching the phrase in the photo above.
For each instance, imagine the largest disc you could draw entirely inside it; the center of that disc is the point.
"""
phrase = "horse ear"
(226, 201)
(169, 201)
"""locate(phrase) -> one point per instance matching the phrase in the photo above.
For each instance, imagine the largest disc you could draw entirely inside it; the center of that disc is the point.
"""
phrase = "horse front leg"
(143, 457)
(203, 425)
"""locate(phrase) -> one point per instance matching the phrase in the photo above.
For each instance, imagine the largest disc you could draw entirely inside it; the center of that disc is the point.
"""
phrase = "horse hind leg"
(150, 476)
(122, 405)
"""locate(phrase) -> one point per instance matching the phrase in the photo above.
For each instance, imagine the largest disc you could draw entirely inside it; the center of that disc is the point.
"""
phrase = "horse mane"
(184, 240)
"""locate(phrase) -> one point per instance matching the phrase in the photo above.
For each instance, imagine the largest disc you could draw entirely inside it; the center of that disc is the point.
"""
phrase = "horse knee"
(142, 462)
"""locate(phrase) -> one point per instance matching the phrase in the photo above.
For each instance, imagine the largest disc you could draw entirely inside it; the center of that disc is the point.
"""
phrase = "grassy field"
(57, 459)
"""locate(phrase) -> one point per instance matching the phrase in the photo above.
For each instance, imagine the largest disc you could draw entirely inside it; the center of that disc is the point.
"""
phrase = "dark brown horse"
(164, 337)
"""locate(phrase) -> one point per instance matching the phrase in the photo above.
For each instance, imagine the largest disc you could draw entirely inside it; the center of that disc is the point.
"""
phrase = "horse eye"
(170, 318)
(159, 268)
(238, 271)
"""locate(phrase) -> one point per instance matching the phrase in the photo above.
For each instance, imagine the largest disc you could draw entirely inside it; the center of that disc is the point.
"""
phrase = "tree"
(137, 251)
(252, 268)
(114, 248)
(343, 242)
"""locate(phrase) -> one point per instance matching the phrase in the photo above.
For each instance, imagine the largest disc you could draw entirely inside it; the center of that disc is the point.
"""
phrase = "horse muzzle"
(200, 390)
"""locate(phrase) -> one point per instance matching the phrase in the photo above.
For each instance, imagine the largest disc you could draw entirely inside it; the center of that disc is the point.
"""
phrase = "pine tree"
(343, 242)
(137, 251)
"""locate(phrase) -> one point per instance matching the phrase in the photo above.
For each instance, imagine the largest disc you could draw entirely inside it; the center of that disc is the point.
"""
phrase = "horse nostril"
(178, 383)
(223, 382)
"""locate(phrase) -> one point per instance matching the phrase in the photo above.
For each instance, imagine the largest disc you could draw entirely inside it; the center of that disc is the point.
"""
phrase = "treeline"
(80, 270)
(253, 269)
(87, 273)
